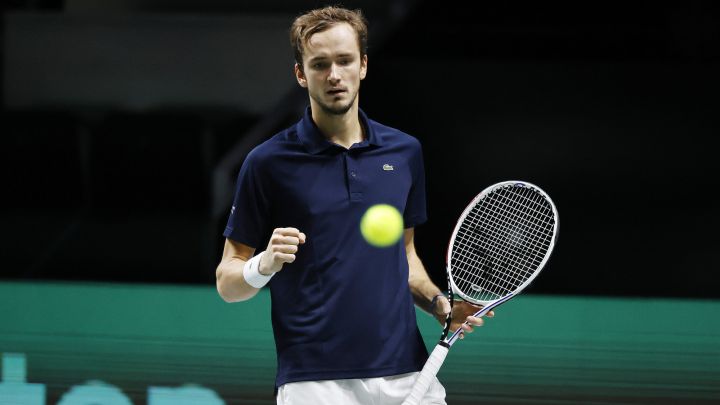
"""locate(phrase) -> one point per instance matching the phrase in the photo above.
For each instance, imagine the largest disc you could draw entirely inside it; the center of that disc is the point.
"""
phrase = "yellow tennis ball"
(381, 225)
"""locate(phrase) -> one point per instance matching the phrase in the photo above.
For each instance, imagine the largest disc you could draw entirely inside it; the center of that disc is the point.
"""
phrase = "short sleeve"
(415, 207)
(248, 219)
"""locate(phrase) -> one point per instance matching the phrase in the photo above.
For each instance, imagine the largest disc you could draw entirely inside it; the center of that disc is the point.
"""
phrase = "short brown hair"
(321, 19)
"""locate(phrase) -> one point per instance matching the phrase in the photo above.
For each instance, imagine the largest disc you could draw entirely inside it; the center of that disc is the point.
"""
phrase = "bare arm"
(421, 287)
(423, 290)
(229, 276)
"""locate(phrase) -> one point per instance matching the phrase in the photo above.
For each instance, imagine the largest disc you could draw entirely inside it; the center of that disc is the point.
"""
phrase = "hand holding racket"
(461, 311)
(500, 244)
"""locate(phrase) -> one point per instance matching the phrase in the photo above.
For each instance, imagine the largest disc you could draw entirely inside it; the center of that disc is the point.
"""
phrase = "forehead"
(338, 39)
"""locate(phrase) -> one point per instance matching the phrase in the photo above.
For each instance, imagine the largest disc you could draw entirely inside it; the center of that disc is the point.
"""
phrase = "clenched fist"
(281, 249)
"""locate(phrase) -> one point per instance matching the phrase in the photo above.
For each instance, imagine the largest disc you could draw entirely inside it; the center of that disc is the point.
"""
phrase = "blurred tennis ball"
(381, 225)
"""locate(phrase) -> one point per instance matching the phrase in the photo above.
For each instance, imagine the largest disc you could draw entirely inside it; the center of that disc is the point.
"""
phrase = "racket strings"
(501, 242)
(515, 259)
(495, 248)
(489, 281)
(516, 241)
(486, 263)
(535, 226)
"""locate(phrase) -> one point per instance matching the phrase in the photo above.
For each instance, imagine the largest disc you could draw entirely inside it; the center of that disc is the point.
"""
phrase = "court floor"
(146, 343)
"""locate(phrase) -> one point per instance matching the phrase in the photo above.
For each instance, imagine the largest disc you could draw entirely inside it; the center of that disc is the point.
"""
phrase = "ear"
(300, 76)
(363, 67)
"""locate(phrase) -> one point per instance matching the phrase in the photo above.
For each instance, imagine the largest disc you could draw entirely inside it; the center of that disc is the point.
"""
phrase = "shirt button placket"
(353, 182)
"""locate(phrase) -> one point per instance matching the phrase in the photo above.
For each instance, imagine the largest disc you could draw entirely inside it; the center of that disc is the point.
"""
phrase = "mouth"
(336, 92)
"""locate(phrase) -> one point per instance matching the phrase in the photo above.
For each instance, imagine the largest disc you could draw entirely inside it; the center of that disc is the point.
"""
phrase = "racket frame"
(487, 306)
(438, 355)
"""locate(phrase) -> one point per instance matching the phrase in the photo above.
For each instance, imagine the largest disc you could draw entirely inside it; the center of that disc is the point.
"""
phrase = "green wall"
(538, 349)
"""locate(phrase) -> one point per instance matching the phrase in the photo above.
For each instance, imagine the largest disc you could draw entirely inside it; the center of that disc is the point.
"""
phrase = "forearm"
(422, 288)
(231, 284)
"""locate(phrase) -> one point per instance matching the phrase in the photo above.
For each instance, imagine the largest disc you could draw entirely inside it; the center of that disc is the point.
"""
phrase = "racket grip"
(427, 375)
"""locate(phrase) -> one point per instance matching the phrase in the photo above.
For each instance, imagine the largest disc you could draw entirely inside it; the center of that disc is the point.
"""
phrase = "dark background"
(125, 122)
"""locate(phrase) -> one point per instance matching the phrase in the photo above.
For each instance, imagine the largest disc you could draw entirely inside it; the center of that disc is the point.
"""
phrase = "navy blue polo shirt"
(343, 309)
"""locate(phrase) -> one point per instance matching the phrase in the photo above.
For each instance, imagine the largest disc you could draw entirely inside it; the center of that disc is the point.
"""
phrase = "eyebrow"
(323, 57)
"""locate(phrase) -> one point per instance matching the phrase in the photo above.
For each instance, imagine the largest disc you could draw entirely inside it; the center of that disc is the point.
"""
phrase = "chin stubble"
(336, 110)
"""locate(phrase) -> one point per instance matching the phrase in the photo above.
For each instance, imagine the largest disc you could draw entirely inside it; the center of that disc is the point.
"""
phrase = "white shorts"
(390, 390)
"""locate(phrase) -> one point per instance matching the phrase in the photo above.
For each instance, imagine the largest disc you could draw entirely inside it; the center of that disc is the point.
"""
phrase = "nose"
(334, 75)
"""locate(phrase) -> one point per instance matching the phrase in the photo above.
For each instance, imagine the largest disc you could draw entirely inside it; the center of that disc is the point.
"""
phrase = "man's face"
(332, 69)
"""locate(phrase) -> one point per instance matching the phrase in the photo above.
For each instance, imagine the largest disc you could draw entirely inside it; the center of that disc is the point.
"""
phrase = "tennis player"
(342, 311)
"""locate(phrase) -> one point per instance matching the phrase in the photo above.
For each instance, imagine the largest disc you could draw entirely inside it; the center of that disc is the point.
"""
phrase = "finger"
(490, 314)
(302, 238)
(475, 321)
(287, 232)
(285, 240)
(466, 328)
(279, 257)
(291, 249)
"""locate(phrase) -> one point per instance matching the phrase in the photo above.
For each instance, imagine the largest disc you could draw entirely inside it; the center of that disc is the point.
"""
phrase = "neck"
(343, 129)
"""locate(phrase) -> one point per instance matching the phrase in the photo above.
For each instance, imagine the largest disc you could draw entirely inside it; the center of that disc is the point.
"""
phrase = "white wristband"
(251, 272)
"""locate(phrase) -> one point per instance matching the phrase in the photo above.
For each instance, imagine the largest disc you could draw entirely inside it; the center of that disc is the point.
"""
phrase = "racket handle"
(427, 375)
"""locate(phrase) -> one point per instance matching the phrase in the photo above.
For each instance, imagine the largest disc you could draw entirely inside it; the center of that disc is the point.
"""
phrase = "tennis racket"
(500, 244)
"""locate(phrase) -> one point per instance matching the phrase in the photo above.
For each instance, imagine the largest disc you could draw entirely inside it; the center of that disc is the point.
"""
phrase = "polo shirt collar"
(315, 142)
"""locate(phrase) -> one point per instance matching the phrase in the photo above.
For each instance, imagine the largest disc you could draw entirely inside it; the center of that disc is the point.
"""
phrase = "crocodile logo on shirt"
(388, 167)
